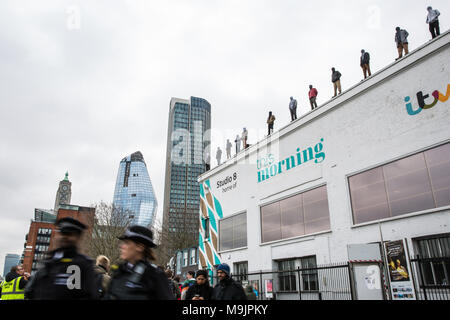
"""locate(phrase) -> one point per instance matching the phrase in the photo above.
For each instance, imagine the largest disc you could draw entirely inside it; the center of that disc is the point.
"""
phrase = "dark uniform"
(66, 274)
(57, 279)
(142, 281)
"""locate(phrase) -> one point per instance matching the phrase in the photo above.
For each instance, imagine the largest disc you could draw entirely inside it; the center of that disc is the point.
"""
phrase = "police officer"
(13, 287)
(135, 278)
(66, 274)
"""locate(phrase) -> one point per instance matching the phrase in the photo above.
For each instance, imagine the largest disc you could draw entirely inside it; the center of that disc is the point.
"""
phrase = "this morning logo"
(422, 103)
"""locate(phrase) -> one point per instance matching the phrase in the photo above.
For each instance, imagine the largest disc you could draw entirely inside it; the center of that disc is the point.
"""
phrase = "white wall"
(365, 127)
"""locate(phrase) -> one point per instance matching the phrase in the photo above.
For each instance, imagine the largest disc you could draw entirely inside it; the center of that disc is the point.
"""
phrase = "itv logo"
(422, 103)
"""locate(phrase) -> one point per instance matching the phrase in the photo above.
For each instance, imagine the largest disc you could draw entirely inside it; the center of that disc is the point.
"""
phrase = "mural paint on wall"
(210, 214)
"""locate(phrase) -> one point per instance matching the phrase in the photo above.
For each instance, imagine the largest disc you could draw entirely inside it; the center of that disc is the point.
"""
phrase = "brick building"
(41, 235)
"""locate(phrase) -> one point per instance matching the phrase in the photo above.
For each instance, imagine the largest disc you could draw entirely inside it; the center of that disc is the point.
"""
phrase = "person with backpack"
(364, 62)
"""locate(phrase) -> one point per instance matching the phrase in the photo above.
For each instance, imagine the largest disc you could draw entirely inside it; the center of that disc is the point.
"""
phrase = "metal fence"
(330, 282)
(431, 278)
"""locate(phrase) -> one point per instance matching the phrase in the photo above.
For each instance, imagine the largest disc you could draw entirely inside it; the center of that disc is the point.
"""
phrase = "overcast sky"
(85, 83)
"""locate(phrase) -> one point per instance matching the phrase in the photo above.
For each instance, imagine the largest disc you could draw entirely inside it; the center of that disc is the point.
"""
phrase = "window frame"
(232, 217)
(261, 206)
(388, 162)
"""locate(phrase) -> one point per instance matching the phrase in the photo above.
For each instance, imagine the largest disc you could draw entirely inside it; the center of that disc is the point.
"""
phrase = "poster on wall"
(402, 287)
(268, 284)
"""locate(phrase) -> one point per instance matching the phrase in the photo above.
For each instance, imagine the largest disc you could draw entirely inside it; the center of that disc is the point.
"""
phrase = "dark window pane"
(291, 217)
(316, 213)
(368, 196)
(438, 161)
(408, 185)
(271, 225)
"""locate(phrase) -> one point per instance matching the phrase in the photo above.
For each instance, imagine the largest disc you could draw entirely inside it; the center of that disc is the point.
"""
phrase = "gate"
(431, 279)
(330, 282)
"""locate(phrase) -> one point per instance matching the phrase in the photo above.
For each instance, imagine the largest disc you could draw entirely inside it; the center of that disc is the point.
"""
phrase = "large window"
(287, 280)
(418, 182)
(233, 232)
(240, 271)
(299, 215)
(305, 267)
(434, 254)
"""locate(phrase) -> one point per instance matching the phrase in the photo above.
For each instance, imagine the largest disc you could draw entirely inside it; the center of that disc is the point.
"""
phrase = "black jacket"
(205, 291)
(142, 281)
(66, 275)
(365, 58)
(228, 289)
(11, 276)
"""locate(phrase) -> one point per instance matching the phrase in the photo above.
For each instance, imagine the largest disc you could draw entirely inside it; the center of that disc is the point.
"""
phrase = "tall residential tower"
(188, 146)
(134, 190)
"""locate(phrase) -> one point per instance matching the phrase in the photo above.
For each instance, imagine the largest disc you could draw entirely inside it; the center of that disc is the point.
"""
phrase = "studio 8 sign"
(229, 183)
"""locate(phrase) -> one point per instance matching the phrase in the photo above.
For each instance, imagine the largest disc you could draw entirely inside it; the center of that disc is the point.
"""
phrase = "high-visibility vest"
(11, 291)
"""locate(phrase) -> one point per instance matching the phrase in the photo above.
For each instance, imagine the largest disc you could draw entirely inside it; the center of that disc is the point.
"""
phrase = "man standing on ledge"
(433, 21)
(227, 288)
(312, 97)
(336, 79)
(365, 63)
(293, 108)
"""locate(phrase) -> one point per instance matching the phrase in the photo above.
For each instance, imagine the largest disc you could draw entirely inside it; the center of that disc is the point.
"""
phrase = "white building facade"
(369, 166)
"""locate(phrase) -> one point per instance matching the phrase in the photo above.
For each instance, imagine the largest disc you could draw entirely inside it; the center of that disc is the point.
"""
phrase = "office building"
(11, 260)
(188, 147)
(134, 191)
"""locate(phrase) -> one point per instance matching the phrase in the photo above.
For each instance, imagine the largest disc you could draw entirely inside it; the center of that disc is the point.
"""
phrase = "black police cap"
(139, 234)
(70, 225)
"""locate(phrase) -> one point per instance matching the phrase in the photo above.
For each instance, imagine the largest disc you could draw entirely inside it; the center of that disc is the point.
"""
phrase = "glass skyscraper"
(188, 144)
(134, 190)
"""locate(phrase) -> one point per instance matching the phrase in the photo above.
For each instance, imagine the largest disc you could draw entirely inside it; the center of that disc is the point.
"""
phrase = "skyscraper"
(11, 260)
(134, 190)
(188, 146)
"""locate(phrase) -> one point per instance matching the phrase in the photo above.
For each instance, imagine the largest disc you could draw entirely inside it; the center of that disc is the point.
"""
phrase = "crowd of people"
(69, 275)
(401, 42)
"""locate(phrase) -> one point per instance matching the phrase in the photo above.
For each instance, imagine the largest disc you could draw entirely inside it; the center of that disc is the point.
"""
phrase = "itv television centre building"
(370, 166)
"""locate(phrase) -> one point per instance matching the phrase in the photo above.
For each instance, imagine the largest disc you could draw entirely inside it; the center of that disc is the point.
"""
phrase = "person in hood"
(102, 266)
(200, 290)
(13, 287)
(66, 274)
(227, 288)
(135, 278)
(433, 22)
